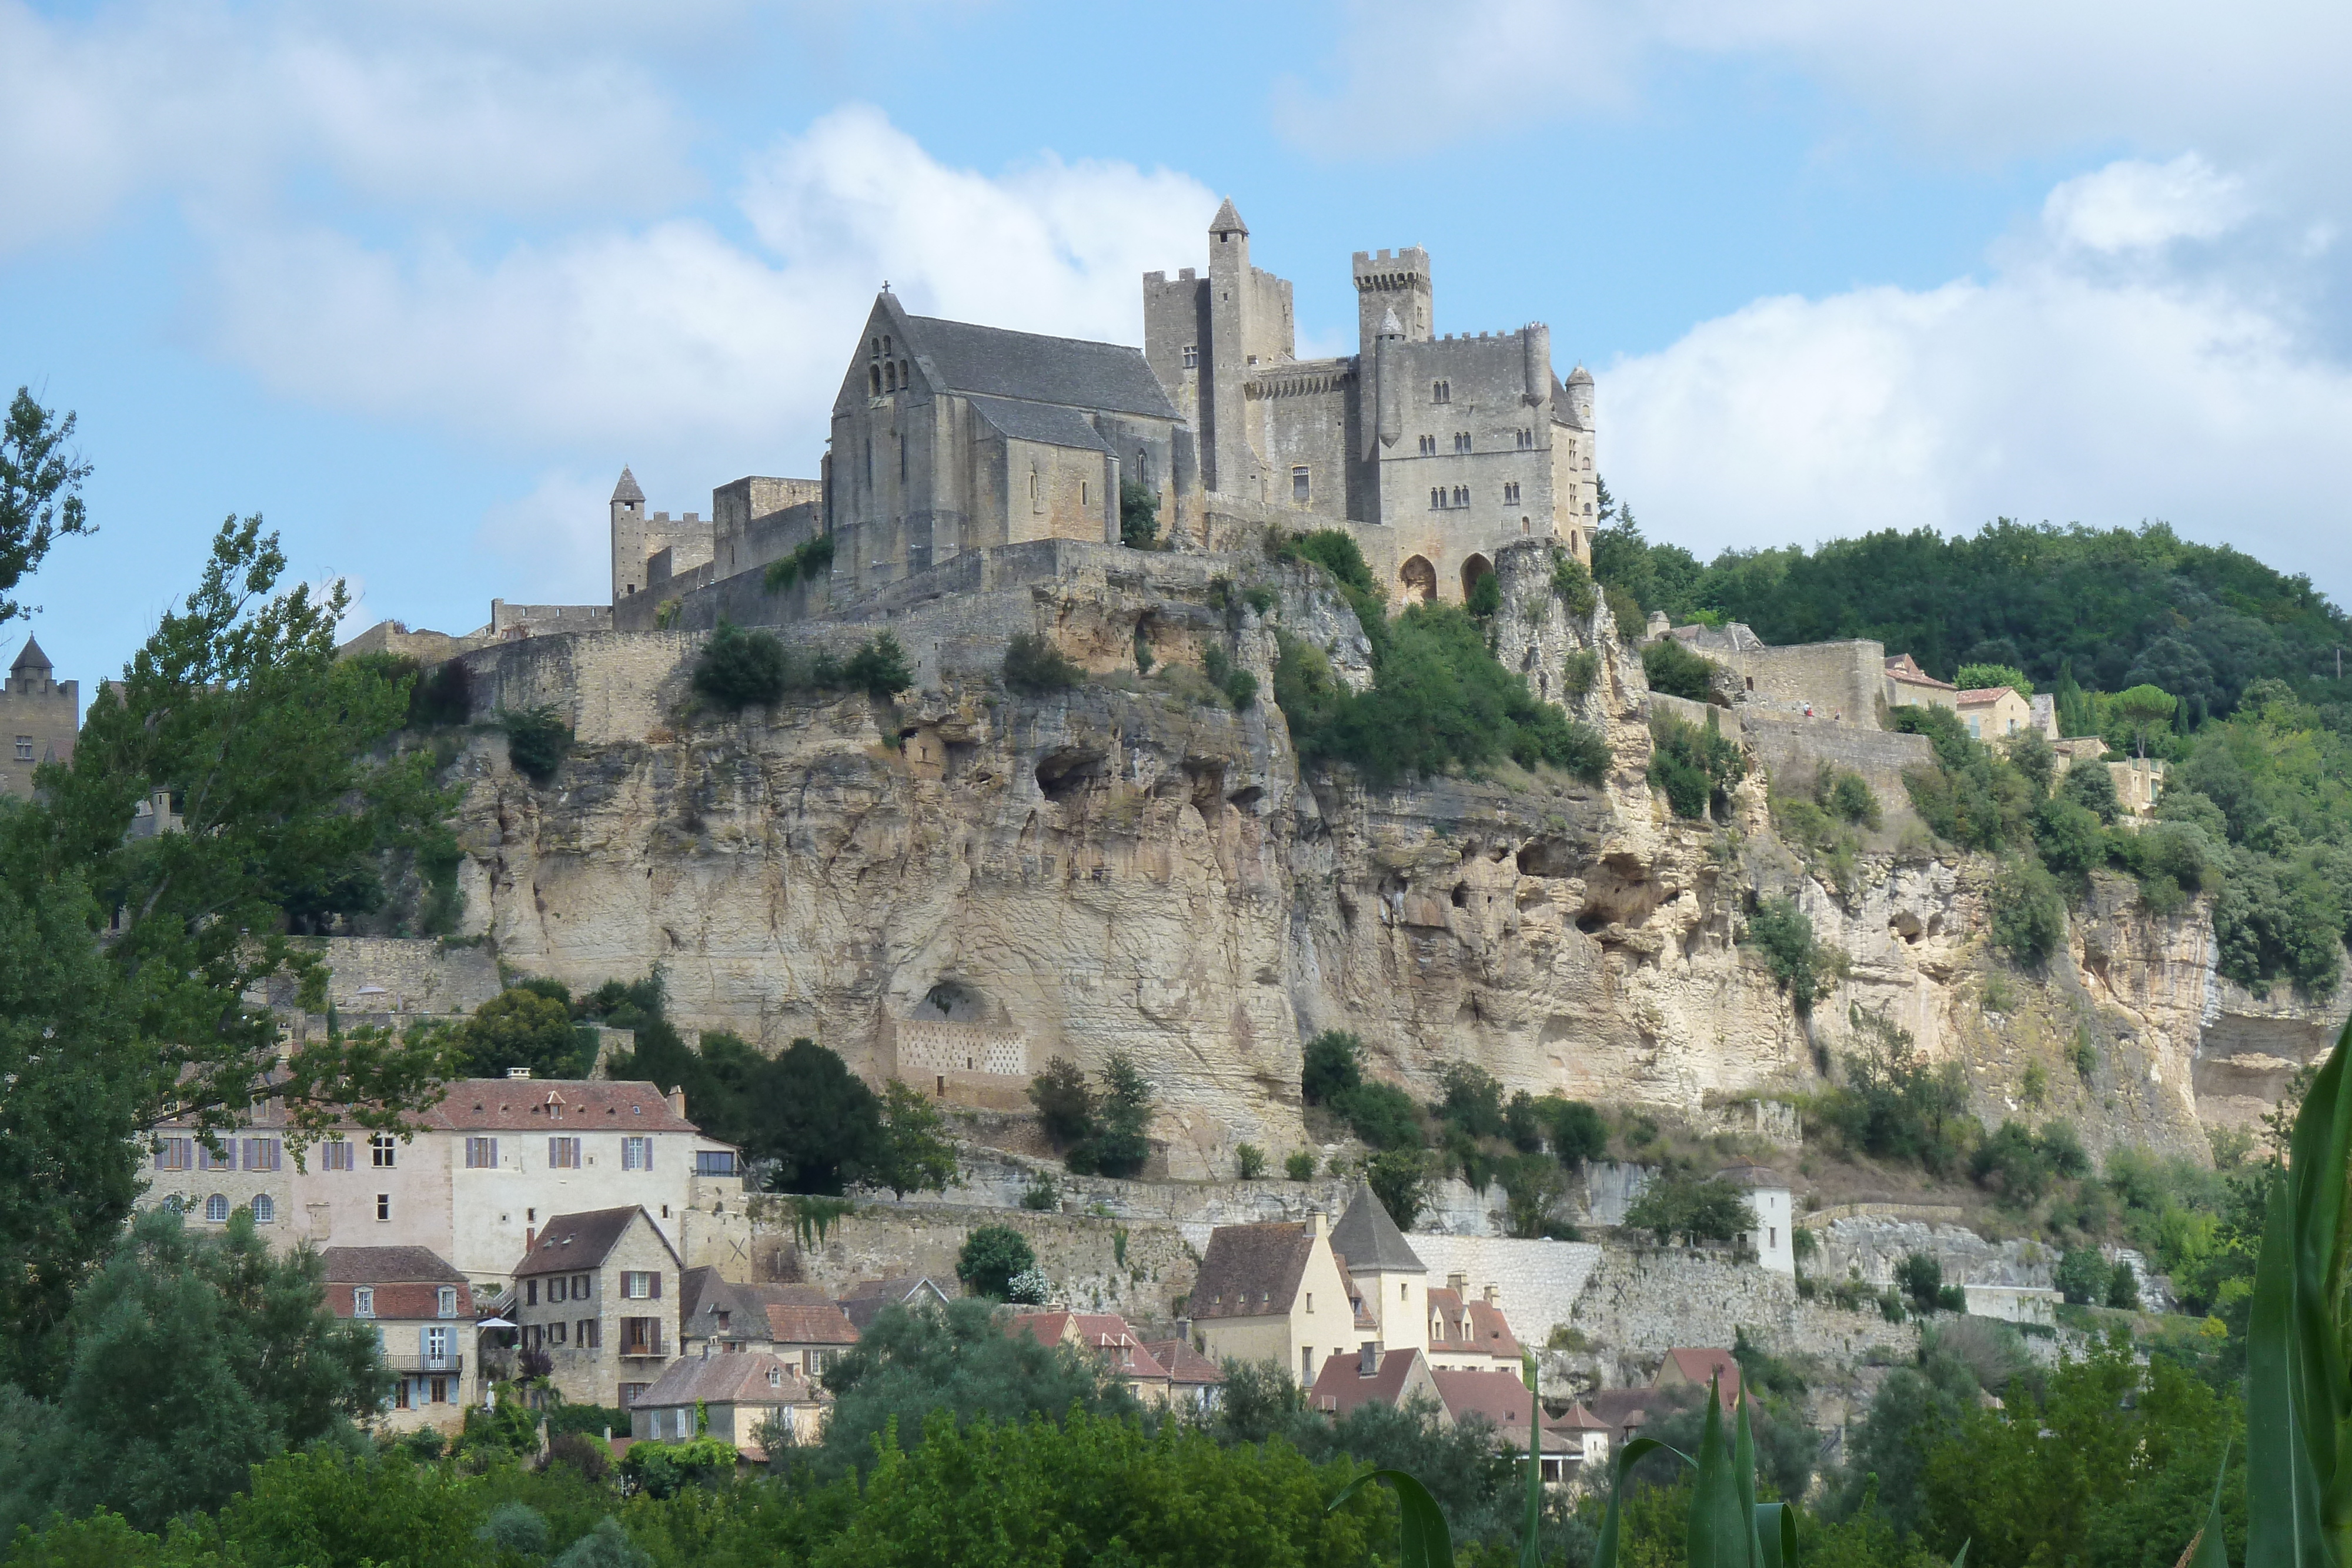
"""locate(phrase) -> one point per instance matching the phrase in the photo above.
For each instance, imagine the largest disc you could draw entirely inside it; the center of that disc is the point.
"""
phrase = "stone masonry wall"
(1639, 1304)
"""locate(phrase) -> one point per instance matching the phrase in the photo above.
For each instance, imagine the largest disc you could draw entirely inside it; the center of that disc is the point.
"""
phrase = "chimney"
(1493, 1292)
(678, 1103)
(1315, 1224)
(1457, 1283)
(1184, 1330)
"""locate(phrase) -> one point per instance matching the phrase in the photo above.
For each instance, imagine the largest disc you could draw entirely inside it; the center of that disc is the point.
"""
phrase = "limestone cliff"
(965, 883)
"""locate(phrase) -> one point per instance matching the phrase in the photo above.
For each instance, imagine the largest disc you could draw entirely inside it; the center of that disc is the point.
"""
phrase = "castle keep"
(948, 437)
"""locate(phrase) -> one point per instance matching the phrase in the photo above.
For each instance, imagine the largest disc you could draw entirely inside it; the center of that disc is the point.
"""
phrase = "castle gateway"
(1432, 450)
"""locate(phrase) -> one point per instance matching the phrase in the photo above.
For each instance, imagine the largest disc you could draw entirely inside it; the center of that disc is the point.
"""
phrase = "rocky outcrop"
(1132, 865)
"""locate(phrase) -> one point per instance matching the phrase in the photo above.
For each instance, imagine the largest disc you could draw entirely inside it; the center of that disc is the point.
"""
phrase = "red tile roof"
(810, 1322)
(748, 1378)
(1186, 1367)
(529, 1104)
(1577, 1419)
(387, 1265)
(574, 1241)
(1697, 1366)
(1905, 668)
(1978, 697)
(1105, 1334)
(1491, 1331)
(1339, 1387)
(1500, 1396)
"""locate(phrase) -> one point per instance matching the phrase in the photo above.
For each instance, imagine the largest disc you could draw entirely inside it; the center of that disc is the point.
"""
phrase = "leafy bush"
(1381, 1114)
(1064, 1100)
(537, 742)
(2081, 1276)
(1033, 664)
(1573, 583)
(1260, 599)
(1249, 1162)
(1575, 1130)
(1470, 1099)
(445, 696)
(1979, 677)
(2123, 1288)
(989, 1257)
(1531, 1185)
(2029, 918)
(1892, 1105)
(522, 1028)
(1850, 799)
(1675, 669)
(1971, 797)
(1578, 671)
(2071, 841)
(2018, 1165)
(1139, 515)
(1439, 699)
(1333, 1065)
(1042, 1195)
(2088, 784)
(1695, 769)
(1239, 686)
(740, 669)
(878, 668)
(1784, 935)
(1680, 1203)
(1400, 1179)
(1300, 1165)
(1485, 597)
(807, 559)
(1125, 1111)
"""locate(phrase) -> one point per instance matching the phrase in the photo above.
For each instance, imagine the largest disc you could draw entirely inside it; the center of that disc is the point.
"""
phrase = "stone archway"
(1476, 567)
(1419, 580)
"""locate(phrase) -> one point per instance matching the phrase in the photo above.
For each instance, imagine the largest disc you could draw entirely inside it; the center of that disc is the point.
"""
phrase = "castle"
(39, 716)
(948, 437)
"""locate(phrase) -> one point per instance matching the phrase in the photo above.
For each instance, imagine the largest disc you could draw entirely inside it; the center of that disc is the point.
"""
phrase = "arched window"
(1436, 497)
(264, 1208)
(891, 377)
(216, 1209)
(874, 380)
(885, 343)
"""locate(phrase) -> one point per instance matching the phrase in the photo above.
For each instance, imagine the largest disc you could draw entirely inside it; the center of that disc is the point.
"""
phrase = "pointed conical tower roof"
(627, 490)
(1390, 326)
(1227, 221)
(32, 658)
(1371, 1240)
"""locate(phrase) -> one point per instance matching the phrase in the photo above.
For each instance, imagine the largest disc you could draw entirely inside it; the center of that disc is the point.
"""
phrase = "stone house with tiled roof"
(740, 1399)
(799, 1325)
(485, 1168)
(1392, 1279)
(1994, 713)
(864, 1302)
(1278, 1292)
(1908, 685)
(422, 1310)
(1106, 1337)
(1469, 1332)
(598, 1294)
(1372, 1375)
(1194, 1382)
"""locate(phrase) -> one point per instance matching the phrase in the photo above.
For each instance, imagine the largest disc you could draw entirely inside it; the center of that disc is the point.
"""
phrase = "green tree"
(1675, 669)
(40, 492)
(1121, 1145)
(1783, 935)
(912, 1154)
(2081, 1275)
(1065, 1101)
(2029, 916)
(1979, 677)
(192, 1358)
(239, 705)
(520, 1028)
(1400, 1179)
(1333, 1066)
(2144, 710)
(1139, 515)
(1576, 1131)
(1531, 1185)
(991, 1256)
(814, 1117)
(739, 669)
(607, 1545)
(1695, 766)
(538, 740)
(879, 668)
(1680, 1203)
(1034, 666)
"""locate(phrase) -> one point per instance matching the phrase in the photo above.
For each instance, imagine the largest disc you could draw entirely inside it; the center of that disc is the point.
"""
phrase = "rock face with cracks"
(960, 882)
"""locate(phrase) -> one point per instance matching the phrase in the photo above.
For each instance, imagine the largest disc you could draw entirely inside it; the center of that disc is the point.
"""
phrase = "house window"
(444, 1301)
(216, 1209)
(1436, 497)
(636, 1153)
(1300, 485)
(1511, 493)
(631, 1392)
(1461, 495)
(558, 1334)
(382, 1149)
(563, 1154)
(874, 381)
(714, 1162)
(1310, 1301)
(1083, 500)
(1429, 447)
(1441, 392)
(531, 1293)
(591, 1335)
(400, 1394)
(264, 1208)
(362, 1301)
(440, 1389)
(335, 1156)
(212, 1159)
(261, 1153)
(1036, 503)
(383, 1205)
(557, 1289)
(1192, 363)
(1461, 441)
(641, 1337)
(1527, 439)
(24, 748)
(640, 1285)
(481, 1154)
(175, 1154)
(579, 1287)
(1307, 1364)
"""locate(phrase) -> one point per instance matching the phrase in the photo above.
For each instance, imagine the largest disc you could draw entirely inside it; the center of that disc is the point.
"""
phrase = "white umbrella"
(496, 1324)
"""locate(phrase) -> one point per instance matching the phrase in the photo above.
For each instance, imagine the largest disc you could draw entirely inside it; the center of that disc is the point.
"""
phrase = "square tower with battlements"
(39, 718)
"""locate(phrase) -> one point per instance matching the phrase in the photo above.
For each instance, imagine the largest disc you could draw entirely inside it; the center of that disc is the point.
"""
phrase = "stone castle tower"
(39, 718)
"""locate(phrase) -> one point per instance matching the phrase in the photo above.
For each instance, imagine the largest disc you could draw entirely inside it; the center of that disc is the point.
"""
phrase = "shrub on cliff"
(1139, 515)
(1035, 667)
(1695, 769)
(741, 669)
(1333, 1066)
(537, 742)
(990, 1257)
(1681, 1203)
(1675, 669)
(2028, 918)
(520, 1027)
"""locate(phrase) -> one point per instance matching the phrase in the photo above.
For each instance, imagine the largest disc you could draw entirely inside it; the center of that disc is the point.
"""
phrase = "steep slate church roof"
(992, 362)
(1370, 1238)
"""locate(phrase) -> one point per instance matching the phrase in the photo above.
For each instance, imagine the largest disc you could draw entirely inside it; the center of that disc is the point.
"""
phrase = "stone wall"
(405, 976)
(1796, 748)
(1639, 1304)
(1538, 1283)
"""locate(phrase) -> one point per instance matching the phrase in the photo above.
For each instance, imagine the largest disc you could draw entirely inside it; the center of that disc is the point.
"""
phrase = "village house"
(1908, 685)
(864, 1302)
(1276, 1292)
(1769, 1199)
(484, 1170)
(799, 1325)
(747, 1400)
(1194, 1382)
(1469, 1333)
(1104, 1337)
(1994, 713)
(598, 1295)
(422, 1310)
(1394, 1280)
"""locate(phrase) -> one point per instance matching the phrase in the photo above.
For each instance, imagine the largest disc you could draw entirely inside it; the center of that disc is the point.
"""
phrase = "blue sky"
(415, 280)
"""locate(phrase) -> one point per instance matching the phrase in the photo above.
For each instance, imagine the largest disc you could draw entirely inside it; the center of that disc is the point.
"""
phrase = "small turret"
(1580, 397)
(32, 661)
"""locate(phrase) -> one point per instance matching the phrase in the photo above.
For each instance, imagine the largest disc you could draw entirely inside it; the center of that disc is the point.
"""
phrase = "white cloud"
(196, 102)
(556, 541)
(2133, 205)
(2051, 389)
(674, 339)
